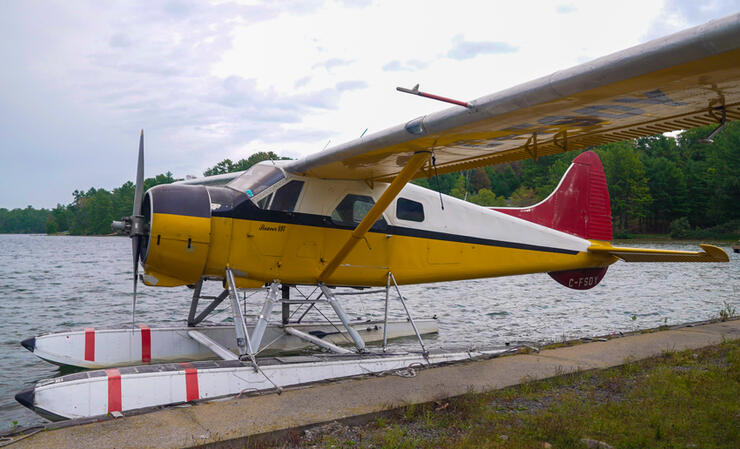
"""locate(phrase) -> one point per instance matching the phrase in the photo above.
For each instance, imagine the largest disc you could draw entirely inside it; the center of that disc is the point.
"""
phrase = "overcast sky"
(211, 80)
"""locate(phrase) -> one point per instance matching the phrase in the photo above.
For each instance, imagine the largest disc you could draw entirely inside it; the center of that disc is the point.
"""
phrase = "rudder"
(579, 205)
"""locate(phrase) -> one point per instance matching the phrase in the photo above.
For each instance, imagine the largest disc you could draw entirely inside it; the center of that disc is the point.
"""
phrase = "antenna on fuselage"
(467, 182)
(271, 160)
(436, 178)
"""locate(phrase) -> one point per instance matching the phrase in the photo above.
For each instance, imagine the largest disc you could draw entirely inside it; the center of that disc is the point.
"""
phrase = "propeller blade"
(138, 195)
(136, 248)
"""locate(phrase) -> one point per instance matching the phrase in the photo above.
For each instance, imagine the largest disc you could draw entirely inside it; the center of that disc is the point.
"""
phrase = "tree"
(227, 166)
(723, 158)
(23, 221)
(523, 196)
(628, 189)
(459, 190)
(653, 181)
(680, 228)
(442, 183)
(479, 180)
(554, 174)
(51, 225)
(659, 146)
(504, 180)
(485, 197)
(667, 185)
(60, 216)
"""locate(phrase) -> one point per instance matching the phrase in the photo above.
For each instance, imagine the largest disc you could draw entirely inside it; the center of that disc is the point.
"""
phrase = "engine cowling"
(175, 249)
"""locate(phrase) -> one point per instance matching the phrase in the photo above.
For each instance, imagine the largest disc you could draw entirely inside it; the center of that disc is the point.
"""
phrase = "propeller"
(135, 225)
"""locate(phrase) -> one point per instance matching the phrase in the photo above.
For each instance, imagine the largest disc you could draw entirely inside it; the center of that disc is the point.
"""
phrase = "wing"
(710, 253)
(681, 81)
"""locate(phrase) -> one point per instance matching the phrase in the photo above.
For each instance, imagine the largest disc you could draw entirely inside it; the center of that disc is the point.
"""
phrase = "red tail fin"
(579, 205)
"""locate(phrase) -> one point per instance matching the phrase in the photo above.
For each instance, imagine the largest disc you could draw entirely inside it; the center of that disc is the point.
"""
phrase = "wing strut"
(409, 171)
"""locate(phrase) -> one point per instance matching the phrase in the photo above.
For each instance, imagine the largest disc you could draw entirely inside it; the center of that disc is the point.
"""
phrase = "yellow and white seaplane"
(348, 217)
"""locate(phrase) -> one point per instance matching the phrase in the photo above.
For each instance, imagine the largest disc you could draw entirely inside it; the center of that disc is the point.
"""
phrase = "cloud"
(87, 75)
(331, 63)
(680, 14)
(406, 66)
(357, 3)
(209, 80)
(351, 85)
(302, 82)
(463, 49)
(120, 40)
(565, 9)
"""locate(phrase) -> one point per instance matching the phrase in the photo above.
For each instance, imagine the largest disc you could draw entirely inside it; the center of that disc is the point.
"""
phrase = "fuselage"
(285, 227)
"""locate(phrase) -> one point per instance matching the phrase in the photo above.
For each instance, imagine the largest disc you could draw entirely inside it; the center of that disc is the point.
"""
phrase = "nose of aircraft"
(175, 247)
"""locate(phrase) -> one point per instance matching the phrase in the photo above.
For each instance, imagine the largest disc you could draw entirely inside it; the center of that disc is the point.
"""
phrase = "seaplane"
(349, 218)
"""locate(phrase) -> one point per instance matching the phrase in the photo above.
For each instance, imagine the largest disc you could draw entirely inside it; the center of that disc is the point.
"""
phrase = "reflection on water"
(61, 283)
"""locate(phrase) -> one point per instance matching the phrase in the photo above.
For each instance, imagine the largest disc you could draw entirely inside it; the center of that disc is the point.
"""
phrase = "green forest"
(680, 186)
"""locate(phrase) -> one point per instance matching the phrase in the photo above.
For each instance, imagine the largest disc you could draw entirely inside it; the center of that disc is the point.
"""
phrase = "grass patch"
(678, 400)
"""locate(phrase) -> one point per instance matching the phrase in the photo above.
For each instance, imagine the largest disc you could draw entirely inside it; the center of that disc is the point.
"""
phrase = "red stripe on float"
(191, 382)
(114, 390)
(90, 344)
(146, 343)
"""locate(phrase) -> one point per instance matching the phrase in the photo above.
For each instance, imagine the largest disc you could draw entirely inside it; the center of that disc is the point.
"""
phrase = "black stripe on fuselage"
(242, 208)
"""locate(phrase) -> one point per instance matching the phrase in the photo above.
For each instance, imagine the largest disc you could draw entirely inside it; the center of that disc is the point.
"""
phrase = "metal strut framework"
(240, 327)
(249, 343)
(215, 301)
(343, 317)
(408, 314)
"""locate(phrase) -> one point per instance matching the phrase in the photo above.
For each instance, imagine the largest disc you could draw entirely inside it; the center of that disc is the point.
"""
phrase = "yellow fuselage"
(183, 249)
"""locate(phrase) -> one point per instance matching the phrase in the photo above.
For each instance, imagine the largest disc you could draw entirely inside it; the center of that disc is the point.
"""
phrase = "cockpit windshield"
(257, 179)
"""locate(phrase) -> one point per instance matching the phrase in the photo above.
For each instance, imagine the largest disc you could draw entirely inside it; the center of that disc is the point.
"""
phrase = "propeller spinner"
(135, 225)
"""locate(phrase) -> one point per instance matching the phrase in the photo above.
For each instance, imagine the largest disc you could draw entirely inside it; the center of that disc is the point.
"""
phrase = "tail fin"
(579, 205)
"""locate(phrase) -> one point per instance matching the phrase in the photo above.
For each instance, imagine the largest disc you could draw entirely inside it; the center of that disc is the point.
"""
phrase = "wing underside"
(681, 81)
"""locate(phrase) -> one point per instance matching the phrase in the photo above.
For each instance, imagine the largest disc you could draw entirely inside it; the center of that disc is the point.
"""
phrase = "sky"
(210, 80)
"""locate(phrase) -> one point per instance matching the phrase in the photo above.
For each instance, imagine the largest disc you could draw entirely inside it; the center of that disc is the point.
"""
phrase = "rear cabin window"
(286, 197)
(409, 210)
(353, 209)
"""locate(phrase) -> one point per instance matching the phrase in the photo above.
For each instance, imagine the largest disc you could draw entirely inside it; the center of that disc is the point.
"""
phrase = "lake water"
(62, 283)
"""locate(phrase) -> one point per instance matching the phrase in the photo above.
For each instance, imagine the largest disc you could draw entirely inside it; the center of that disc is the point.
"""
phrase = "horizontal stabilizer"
(710, 253)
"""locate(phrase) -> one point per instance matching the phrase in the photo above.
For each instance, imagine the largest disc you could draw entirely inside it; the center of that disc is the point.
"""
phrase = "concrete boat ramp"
(232, 422)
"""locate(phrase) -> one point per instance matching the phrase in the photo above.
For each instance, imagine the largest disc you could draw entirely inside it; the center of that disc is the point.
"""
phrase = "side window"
(262, 204)
(286, 196)
(353, 209)
(409, 210)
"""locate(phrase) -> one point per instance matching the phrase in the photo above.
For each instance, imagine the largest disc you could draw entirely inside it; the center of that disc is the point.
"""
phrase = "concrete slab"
(230, 422)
